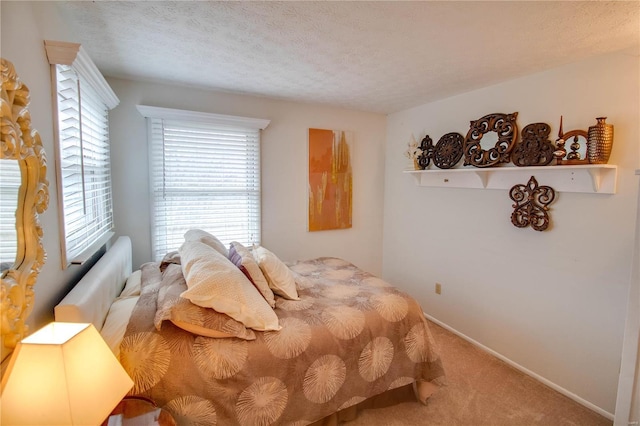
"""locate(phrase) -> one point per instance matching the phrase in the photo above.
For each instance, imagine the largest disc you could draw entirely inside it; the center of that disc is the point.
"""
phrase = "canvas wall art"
(330, 179)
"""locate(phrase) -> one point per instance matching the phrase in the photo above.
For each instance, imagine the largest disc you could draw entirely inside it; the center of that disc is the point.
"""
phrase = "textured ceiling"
(372, 56)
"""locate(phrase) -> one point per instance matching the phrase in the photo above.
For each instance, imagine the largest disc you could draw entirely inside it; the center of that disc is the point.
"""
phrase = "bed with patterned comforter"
(351, 336)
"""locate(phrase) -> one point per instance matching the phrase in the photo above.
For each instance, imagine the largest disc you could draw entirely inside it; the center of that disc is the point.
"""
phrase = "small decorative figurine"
(564, 157)
(531, 205)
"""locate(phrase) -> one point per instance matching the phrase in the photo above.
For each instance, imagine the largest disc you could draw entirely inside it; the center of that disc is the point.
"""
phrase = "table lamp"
(63, 374)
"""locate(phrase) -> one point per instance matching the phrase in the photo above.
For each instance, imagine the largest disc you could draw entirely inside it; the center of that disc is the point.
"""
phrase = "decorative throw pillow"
(214, 282)
(193, 318)
(279, 276)
(240, 256)
(132, 286)
(207, 238)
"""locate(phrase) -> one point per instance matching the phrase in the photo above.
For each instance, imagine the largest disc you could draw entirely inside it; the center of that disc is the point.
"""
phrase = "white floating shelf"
(591, 178)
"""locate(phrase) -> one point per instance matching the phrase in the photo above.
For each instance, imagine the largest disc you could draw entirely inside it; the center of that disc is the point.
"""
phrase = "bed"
(346, 340)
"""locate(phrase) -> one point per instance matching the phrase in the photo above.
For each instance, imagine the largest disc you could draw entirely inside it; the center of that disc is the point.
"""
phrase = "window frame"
(88, 75)
(222, 121)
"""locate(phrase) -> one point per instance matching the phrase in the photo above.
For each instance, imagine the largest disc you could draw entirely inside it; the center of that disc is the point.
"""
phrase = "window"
(205, 173)
(83, 100)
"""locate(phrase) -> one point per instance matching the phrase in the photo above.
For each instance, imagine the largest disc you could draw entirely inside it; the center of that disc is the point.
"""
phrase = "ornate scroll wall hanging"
(535, 148)
(506, 128)
(426, 152)
(21, 143)
(531, 205)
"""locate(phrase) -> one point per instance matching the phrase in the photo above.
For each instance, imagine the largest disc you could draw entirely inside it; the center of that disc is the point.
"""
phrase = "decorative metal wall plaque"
(535, 148)
(426, 154)
(448, 150)
(506, 128)
(531, 205)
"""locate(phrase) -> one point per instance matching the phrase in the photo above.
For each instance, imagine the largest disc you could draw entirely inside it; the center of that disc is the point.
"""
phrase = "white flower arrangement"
(413, 150)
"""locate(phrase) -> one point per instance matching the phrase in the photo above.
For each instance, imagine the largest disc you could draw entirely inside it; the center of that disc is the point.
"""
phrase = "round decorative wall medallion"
(448, 150)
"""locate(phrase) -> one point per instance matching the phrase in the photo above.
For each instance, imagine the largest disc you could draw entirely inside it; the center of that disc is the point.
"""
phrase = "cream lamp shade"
(63, 374)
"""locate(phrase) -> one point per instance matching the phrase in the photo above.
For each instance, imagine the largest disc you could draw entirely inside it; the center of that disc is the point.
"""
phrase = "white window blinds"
(204, 174)
(83, 126)
(83, 101)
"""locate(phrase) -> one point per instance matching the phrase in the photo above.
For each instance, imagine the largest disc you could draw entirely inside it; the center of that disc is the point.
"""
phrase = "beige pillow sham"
(279, 276)
(132, 286)
(207, 238)
(214, 282)
(193, 318)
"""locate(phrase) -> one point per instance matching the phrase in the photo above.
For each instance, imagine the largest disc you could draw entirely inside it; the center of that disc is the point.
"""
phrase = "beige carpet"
(483, 390)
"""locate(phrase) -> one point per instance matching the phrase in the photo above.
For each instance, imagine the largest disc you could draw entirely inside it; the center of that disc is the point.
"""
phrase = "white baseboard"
(526, 371)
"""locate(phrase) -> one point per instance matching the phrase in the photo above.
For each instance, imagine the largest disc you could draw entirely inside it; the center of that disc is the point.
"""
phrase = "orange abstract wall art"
(330, 179)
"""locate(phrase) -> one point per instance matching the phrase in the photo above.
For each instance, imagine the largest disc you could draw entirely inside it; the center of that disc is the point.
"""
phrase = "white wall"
(24, 27)
(628, 398)
(554, 301)
(284, 170)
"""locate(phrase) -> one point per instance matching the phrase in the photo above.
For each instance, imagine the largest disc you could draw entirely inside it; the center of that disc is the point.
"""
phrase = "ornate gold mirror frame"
(21, 143)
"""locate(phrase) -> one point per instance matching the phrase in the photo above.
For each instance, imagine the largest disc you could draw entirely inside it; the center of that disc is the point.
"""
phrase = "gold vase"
(599, 142)
(416, 165)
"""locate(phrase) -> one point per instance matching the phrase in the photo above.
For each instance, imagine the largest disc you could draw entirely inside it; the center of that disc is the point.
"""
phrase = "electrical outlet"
(438, 288)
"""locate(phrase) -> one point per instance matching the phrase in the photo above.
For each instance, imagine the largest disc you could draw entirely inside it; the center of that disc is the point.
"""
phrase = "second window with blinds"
(205, 174)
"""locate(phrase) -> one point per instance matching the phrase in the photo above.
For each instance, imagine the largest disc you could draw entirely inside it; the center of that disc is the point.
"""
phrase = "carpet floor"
(483, 390)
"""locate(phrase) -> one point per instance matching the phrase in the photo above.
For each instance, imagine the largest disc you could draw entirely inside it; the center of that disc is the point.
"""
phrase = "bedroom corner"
(552, 302)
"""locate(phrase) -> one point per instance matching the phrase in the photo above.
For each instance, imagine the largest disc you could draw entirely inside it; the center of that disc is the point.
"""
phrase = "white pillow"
(207, 238)
(132, 286)
(116, 322)
(279, 276)
(241, 256)
(214, 282)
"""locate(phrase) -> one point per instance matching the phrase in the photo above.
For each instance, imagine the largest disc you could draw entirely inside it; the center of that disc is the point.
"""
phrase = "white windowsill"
(92, 249)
